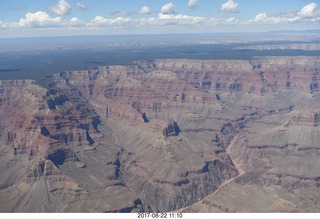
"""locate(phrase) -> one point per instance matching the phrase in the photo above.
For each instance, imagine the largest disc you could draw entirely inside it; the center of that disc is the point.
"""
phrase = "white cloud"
(82, 6)
(39, 19)
(9, 24)
(265, 18)
(168, 8)
(162, 20)
(61, 8)
(307, 13)
(193, 4)
(75, 20)
(179, 19)
(229, 7)
(102, 21)
(231, 21)
(145, 10)
(167, 19)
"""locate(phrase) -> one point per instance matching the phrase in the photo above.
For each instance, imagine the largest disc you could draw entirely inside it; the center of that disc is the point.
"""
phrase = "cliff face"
(45, 135)
(163, 135)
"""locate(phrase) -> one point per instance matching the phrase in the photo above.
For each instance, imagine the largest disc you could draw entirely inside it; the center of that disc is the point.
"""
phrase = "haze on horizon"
(87, 17)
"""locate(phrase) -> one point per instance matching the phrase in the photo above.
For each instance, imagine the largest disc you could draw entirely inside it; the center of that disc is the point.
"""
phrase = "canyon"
(164, 135)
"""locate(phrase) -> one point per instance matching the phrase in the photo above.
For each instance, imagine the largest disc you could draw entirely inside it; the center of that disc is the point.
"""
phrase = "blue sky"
(20, 18)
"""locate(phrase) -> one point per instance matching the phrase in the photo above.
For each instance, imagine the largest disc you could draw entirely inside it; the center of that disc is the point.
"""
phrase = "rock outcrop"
(171, 130)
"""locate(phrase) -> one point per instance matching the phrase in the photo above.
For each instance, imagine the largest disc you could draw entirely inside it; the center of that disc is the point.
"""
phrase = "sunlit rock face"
(164, 135)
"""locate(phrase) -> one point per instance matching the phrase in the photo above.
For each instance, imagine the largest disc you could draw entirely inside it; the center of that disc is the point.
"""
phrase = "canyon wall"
(164, 135)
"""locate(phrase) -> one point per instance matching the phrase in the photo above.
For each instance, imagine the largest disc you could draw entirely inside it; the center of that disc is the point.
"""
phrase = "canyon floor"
(164, 135)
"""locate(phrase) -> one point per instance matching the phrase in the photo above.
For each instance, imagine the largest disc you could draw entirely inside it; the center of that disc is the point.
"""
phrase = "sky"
(25, 18)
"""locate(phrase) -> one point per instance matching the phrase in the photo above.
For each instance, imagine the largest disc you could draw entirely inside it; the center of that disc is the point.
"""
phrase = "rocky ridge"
(163, 135)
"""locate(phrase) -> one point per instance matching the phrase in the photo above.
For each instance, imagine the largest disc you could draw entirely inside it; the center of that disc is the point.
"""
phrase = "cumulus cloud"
(181, 20)
(193, 4)
(167, 17)
(307, 13)
(39, 19)
(231, 21)
(229, 7)
(74, 22)
(82, 6)
(168, 8)
(145, 10)
(178, 19)
(264, 18)
(61, 8)
(102, 21)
